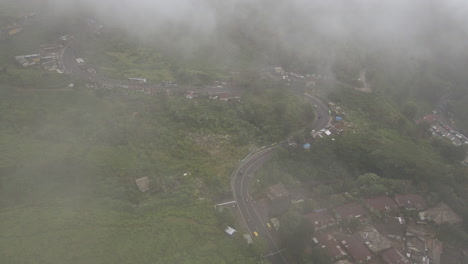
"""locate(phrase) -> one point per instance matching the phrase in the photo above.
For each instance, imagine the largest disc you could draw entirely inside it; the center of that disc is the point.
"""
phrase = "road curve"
(245, 173)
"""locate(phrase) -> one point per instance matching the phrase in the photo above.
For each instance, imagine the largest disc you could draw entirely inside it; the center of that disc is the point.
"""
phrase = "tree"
(290, 224)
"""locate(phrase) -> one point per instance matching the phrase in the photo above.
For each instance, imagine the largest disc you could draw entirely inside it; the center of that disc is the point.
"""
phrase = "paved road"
(73, 68)
(245, 173)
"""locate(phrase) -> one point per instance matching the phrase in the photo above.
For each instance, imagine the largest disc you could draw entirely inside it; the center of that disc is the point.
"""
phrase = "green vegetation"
(70, 160)
(384, 153)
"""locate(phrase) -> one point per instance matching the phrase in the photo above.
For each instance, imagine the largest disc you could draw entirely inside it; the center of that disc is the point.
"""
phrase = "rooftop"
(374, 240)
(381, 204)
(344, 261)
(350, 210)
(393, 256)
(356, 248)
(143, 184)
(440, 214)
(329, 244)
(319, 218)
(391, 227)
(410, 201)
(277, 191)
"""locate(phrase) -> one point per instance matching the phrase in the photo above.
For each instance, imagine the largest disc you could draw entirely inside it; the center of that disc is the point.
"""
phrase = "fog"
(315, 31)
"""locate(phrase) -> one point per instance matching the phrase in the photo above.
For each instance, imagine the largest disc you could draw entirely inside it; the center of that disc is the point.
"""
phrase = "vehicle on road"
(269, 226)
(255, 233)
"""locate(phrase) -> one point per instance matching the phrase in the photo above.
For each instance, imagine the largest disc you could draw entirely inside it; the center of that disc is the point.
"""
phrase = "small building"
(191, 94)
(248, 238)
(224, 97)
(28, 60)
(410, 201)
(381, 204)
(349, 211)
(343, 261)
(143, 184)
(279, 198)
(374, 240)
(230, 231)
(330, 245)
(440, 214)
(320, 219)
(393, 256)
(138, 80)
(392, 227)
(356, 249)
(276, 223)
(299, 194)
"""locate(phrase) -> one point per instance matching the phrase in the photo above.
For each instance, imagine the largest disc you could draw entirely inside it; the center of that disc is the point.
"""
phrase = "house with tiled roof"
(381, 204)
(320, 219)
(349, 211)
(410, 201)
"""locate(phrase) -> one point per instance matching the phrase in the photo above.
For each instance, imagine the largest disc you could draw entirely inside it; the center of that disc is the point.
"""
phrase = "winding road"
(242, 177)
(245, 172)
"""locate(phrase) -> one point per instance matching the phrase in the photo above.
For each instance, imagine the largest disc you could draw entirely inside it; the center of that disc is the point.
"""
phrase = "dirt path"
(365, 85)
(29, 90)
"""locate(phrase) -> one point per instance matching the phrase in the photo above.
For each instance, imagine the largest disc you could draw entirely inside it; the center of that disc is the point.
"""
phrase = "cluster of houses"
(337, 125)
(279, 71)
(441, 129)
(10, 30)
(15, 28)
(391, 240)
(49, 56)
(222, 96)
(395, 240)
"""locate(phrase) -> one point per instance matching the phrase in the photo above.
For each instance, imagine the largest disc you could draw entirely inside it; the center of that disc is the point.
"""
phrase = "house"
(143, 184)
(349, 211)
(434, 250)
(320, 219)
(230, 231)
(417, 230)
(410, 201)
(381, 204)
(299, 194)
(356, 249)
(440, 214)
(330, 245)
(424, 250)
(28, 60)
(248, 238)
(279, 198)
(343, 261)
(138, 80)
(224, 96)
(374, 240)
(393, 256)
(191, 94)
(415, 246)
(392, 227)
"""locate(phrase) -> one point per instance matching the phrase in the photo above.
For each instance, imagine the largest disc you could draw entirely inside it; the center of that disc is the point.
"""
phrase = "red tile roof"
(356, 249)
(381, 203)
(319, 218)
(350, 210)
(393, 256)
(329, 244)
(410, 201)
